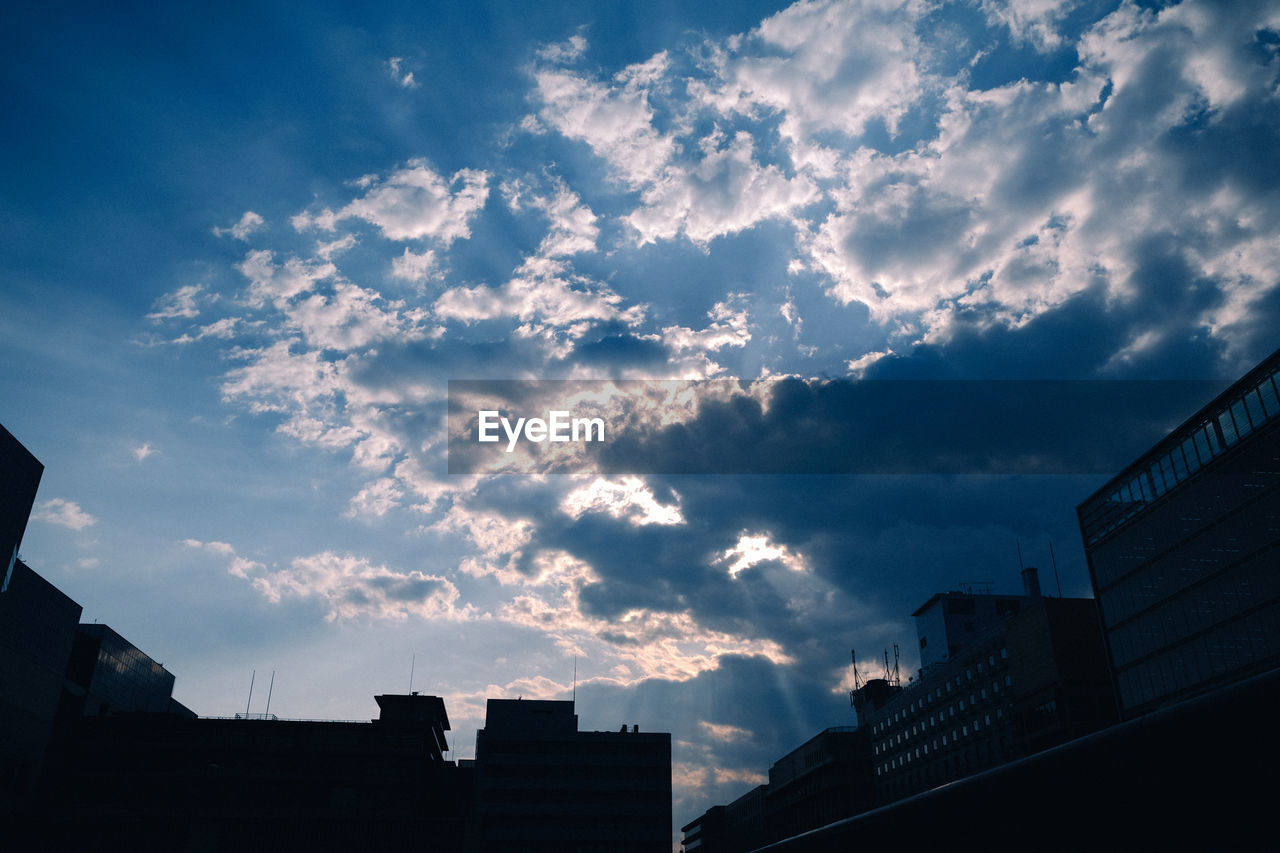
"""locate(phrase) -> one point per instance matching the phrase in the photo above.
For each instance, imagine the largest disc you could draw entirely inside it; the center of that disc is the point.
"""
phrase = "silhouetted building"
(1183, 548)
(37, 629)
(107, 674)
(827, 778)
(745, 820)
(1034, 678)
(542, 785)
(1199, 775)
(20, 474)
(706, 833)
(148, 781)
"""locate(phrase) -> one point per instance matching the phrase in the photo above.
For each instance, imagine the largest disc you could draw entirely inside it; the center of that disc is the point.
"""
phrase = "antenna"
(246, 704)
(575, 680)
(1057, 579)
(269, 689)
(1020, 566)
(412, 663)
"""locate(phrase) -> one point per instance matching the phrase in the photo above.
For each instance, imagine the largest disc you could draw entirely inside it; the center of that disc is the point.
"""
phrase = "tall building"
(20, 474)
(37, 630)
(542, 785)
(1183, 549)
(1030, 675)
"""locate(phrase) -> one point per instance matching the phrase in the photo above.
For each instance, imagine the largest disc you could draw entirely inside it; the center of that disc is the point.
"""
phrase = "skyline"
(245, 252)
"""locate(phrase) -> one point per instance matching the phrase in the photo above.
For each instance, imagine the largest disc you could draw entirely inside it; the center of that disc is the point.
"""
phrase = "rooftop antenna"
(270, 687)
(1056, 579)
(412, 663)
(246, 704)
(1020, 566)
(575, 680)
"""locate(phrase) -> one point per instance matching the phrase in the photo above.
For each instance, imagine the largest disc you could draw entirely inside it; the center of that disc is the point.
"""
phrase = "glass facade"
(1183, 548)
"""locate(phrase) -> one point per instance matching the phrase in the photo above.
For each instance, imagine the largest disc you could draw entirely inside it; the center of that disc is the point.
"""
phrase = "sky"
(245, 247)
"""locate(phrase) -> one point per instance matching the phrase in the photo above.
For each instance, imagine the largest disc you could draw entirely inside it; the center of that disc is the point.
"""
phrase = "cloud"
(142, 451)
(412, 266)
(414, 203)
(63, 513)
(351, 587)
(627, 497)
(614, 119)
(544, 291)
(376, 499)
(395, 67)
(221, 548)
(250, 223)
(751, 550)
(724, 732)
(181, 304)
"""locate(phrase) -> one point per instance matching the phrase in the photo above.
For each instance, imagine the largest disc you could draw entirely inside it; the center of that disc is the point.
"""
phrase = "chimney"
(1031, 582)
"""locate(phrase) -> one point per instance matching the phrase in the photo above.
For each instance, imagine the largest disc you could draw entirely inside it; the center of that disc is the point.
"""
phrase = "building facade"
(1035, 678)
(1184, 551)
(542, 785)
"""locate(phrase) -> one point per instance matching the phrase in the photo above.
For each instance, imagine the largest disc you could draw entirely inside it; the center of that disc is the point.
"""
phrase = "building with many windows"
(1183, 548)
(1033, 678)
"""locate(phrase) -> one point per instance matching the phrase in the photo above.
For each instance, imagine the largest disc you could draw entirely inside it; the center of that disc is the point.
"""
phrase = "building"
(1199, 775)
(827, 778)
(107, 674)
(542, 785)
(1183, 548)
(706, 833)
(1031, 674)
(163, 781)
(21, 473)
(37, 630)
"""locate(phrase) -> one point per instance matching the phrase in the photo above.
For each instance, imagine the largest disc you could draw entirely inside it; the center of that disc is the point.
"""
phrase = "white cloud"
(829, 65)
(752, 549)
(616, 121)
(395, 67)
(725, 192)
(221, 548)
(414, 203)
(142, 451)
(181, 304)
(629, 498)
(351, 587)
(248, 224)
(417, 267)
(1033, 22)
(544, 290)
(63, 513)
(376, 499)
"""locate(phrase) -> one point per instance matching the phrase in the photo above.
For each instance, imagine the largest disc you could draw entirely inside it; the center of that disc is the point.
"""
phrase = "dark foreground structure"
(1200, 775)
(1184, 551)
(96, 754)
(542, 786)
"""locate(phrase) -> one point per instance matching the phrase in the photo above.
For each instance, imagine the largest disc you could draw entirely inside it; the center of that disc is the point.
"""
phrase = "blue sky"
(244, 249)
